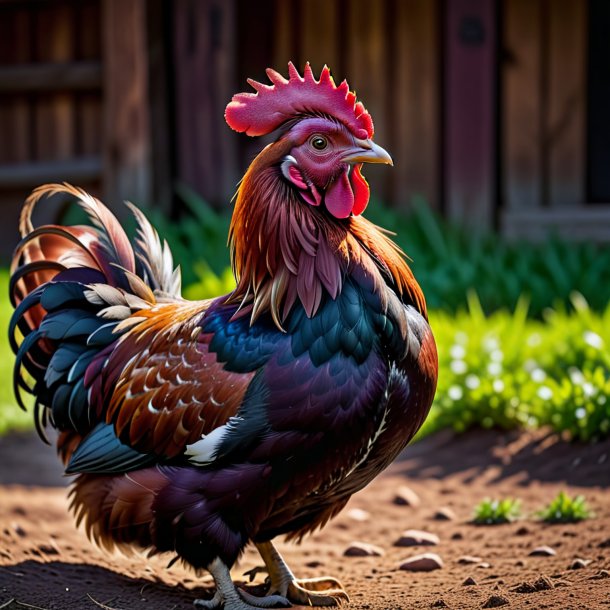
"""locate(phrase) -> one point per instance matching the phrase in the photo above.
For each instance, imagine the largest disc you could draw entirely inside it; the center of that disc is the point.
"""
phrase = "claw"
(325, 591)
(254, 572)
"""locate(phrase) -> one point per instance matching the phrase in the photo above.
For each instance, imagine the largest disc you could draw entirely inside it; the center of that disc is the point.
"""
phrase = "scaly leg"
(229, 597)
(326, 591)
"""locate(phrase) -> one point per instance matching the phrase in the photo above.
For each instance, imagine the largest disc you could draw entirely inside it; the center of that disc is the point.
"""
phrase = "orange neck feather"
(283, 250)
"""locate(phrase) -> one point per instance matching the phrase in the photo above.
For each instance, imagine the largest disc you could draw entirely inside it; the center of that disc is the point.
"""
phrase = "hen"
(197, 427)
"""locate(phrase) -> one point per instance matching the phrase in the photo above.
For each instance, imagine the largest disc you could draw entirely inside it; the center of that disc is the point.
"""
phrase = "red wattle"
(339, 198)
(361, 190)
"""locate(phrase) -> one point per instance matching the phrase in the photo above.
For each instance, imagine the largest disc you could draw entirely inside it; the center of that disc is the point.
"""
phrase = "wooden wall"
(388, 49)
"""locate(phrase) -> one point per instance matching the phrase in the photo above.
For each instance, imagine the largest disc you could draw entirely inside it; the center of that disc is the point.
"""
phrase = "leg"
(229, 597)
(325, 591)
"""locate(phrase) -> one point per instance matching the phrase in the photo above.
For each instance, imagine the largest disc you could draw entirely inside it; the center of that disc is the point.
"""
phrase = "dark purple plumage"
(197, 427)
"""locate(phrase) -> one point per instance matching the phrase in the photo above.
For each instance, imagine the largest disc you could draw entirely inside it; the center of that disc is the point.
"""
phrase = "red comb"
(260, 113)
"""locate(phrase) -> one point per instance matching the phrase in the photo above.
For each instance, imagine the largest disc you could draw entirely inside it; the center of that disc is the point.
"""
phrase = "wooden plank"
(469, 112)
(286, 37)
(367, 63)
(522, 161)
(415, 100)
(55, 124)
(204, 59)
(45, 77)
(320, 34)
(565, 129)
(126, 112)
(28, 175)
(577, 223)
(15, 116)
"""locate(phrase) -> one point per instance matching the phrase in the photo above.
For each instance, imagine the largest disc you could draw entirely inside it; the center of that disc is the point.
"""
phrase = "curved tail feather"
(73, 288)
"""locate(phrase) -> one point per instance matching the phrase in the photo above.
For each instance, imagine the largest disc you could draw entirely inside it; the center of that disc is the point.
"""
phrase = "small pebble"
(469, 582)
(363, 549)
(579, 564)
(520, 563)
(19, 530)
(542, 551)
(48, 549)
(457, 536)
(484, 565)
(444, 514)
(417, 538)
(600, 575)
(357, 514)
(495, 601)
(439, 603)
(466, 559)
(314, 564)
(405, 496)
(422, 563)
(604, 544)
(522, 531)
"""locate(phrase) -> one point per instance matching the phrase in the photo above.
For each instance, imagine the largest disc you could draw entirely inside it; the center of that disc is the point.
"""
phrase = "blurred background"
(496, 113)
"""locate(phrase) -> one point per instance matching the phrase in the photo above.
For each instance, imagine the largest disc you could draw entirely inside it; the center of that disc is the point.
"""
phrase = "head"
(324, 137)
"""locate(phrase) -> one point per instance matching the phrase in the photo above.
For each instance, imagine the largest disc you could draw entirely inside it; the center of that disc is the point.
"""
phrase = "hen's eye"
(319, 143)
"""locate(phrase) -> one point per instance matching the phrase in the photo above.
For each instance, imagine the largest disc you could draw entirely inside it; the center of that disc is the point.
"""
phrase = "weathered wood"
(28, 175)
(55, 125)
(577, 223)
(15, 112)
(415, 95)
(204, 60)
(522, 119)
(320, 26)
(43, 77)
(286, 37)
(126, 155)
(366, 69)
(565, 127)
(469, 111)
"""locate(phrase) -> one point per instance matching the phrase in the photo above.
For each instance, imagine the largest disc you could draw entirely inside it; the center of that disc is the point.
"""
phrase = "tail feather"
(73, 289)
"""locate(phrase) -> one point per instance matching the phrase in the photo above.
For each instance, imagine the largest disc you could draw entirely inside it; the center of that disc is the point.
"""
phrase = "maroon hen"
(198, 427)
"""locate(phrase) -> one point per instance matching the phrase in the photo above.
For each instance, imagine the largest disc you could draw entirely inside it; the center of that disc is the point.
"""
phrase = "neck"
(284, 251)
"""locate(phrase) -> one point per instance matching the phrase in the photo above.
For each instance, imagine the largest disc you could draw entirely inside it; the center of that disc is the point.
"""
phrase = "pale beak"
(368, 152)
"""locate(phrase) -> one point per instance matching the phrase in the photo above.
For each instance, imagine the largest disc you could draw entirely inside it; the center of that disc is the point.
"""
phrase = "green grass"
(448, 261)
(507, 370)
(11, 416)
(496, 512)
(565, 509)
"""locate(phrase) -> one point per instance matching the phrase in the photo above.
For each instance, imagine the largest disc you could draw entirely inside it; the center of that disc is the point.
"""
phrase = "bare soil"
(45, 562)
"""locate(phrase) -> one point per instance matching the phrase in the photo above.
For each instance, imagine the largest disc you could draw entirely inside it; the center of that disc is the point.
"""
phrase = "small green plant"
(564, 509)
(495, 512)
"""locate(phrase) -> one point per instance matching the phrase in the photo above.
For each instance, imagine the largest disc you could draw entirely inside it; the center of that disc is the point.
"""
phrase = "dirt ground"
(45, 562)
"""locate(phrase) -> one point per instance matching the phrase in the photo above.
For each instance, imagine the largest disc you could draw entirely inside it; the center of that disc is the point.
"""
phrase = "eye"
(319, 142)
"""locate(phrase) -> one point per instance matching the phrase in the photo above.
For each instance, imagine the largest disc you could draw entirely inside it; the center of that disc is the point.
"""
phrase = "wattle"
(344, 197)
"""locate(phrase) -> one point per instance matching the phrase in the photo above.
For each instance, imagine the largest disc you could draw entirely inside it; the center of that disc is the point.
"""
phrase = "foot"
(230, 597)
(325, 591)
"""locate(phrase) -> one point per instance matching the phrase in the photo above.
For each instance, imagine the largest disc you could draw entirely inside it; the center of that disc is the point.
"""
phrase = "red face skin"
(318, 169)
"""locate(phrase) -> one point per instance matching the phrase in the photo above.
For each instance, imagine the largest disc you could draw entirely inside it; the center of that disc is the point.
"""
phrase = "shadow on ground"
(539, 455)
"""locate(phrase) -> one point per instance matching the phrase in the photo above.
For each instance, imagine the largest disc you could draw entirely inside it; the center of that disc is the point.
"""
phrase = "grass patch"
(565, 509)
(508, 371)
(496, 512)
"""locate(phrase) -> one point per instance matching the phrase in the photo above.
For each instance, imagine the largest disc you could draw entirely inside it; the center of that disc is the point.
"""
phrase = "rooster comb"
(260, 113)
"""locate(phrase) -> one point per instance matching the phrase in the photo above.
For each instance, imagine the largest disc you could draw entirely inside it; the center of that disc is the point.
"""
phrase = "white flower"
(497, 355)
(490, 343)
(576, 376)
(455, 392)
(580, 413)
(458, 367)
(530, 364)
(472, 382)
(461, 338)
(545, 392)
(538, 375)
(593, 339)
(588, 389)
(534, 339)
(457, 352)
(498, 385)
(494, 368)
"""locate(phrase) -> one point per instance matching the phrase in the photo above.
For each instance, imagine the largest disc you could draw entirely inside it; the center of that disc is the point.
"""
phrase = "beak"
(368, 152)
